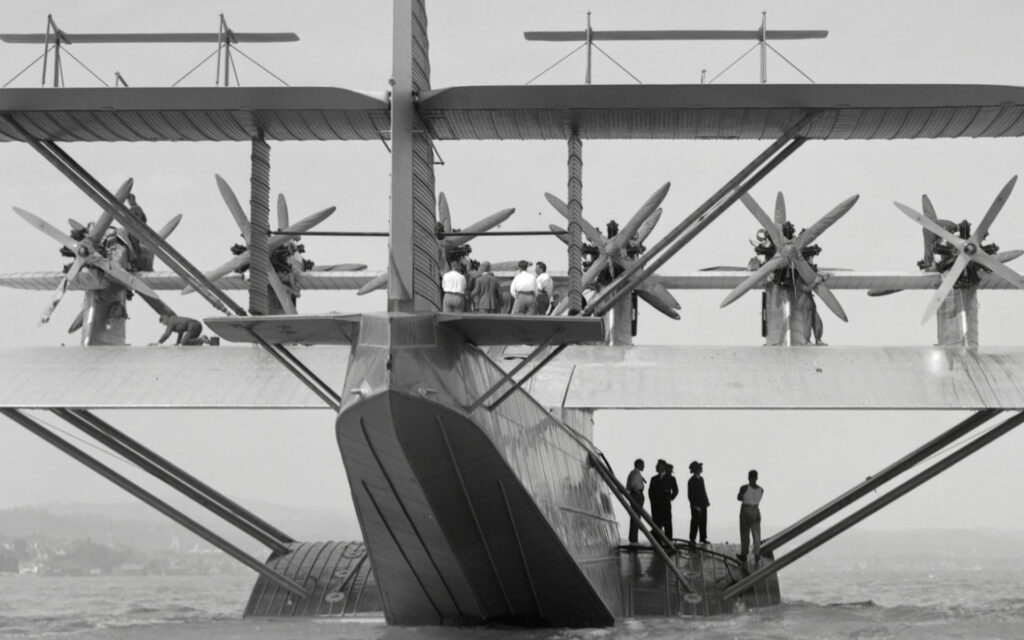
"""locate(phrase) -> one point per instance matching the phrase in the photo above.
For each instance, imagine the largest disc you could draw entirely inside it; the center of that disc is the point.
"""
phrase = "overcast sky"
(805, 458)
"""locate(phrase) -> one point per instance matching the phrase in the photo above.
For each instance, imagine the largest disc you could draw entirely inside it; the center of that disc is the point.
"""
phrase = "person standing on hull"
(635, 487)
(545, 287)
(523, 290)
(662, 490)
(699, 503)
(486, 291)
(453, 284)
(750, 516)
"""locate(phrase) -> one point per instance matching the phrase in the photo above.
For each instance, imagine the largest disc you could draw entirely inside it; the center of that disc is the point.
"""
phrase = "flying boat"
(480, 494)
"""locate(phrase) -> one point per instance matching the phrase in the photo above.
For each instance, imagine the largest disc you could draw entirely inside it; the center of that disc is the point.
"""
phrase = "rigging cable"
(733, 64)
(84, 66)
(616, 62)
(560, 61)
(201, 63)
(30, 65)
(278, 78)
(799, 70)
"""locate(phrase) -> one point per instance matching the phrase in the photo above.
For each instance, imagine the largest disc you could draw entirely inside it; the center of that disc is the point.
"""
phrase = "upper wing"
(534, 112)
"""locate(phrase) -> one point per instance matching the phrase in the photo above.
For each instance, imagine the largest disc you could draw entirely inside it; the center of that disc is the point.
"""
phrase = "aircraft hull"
(470, 518)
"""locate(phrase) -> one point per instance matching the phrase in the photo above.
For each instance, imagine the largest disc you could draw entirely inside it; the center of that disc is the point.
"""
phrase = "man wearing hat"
(699, 503)
(523, 289)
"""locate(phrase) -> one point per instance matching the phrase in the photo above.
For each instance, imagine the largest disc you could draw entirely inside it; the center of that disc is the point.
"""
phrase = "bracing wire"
(30, 65)
(201, 63)
(86, 67)
(234, 70)
(616, 62)
(799, 70)
(84, 441)
(558, 62)
(278, 78)
(733, 64)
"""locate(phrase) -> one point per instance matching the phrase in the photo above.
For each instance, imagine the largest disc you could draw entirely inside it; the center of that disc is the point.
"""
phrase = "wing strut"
(966, 450)
(176, 477)
(874, 481)
(177, 516)
(704, 215)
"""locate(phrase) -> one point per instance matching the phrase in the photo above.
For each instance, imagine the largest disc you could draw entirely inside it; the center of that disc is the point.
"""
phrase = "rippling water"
(905, 605)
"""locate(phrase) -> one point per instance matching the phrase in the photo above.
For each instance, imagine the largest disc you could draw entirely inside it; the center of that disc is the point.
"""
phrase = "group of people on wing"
(663, 489)
(479, 290)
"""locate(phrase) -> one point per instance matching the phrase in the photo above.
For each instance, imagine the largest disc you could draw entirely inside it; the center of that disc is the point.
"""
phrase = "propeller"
(86, 252)
(789, 252)
(613, 253)
(242, 260)
(158, 305)
(970, 251)
(448, 244)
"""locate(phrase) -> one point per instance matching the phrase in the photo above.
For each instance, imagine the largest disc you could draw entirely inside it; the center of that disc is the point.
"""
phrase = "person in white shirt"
(523, 289)
(545, 287)
(453, 284)
(750, 515)
(635, 483)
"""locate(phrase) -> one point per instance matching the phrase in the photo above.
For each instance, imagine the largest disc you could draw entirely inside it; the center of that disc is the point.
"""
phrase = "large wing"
(595, 377)
(685, 377)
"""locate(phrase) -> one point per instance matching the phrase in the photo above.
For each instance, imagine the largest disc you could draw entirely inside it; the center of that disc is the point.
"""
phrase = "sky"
(804, 458)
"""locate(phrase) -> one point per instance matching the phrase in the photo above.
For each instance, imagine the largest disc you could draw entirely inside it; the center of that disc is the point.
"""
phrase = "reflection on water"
(948, 604)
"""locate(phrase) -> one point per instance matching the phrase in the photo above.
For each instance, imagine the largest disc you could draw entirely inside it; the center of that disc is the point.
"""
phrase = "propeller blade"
(237, 212)
(656, 302)
(997, 205)
(231, 265)
(948, 280)
(282, 212)
(811, 234)
(125, 278)
(300, 227)
(754, 279)
(762, 219)
(283, 296)
(169, 228)
(344, 266)
(810, 276)
(62, 287)
(378, 282)
(929, 237)
(877, 293)
(930, 224)
(75, 225)
(830, 300)
(106, 217)
(444, 213)
(645, 211)
(47, 228)
(477, 228)
(1008, 256)
(648, 226)
(780, 210)
(994, 265)
(560, 233)
(76, 324)
(590, 232)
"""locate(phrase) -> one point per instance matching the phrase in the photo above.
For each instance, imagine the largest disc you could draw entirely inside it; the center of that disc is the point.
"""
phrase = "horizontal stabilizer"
(707, 34)
(492, 329)
(288, 329)
(111, 38)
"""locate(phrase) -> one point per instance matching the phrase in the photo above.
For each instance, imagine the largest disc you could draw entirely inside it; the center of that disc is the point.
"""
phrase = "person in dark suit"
(661, 490)
(486, 292)
(699, 503)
